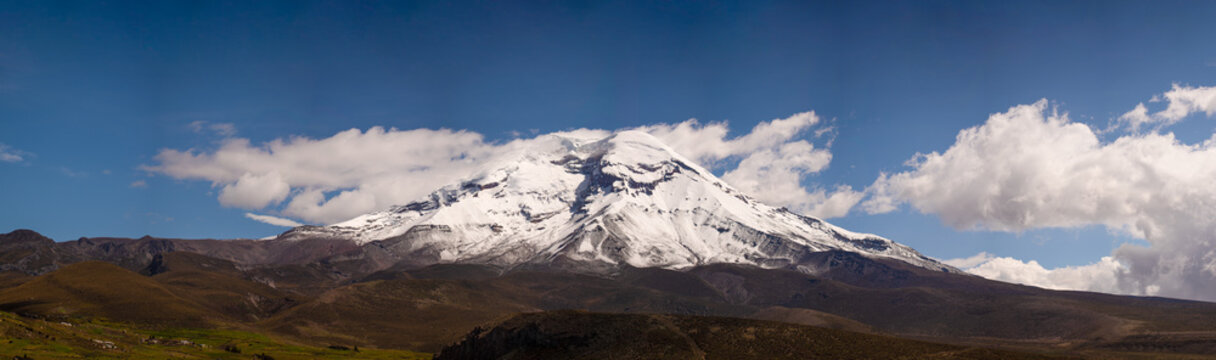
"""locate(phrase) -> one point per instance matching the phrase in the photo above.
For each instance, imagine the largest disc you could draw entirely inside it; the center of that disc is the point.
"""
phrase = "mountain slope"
(580, 335)
(95, 288)
(219, 286)
(427, 308)
(596, 204)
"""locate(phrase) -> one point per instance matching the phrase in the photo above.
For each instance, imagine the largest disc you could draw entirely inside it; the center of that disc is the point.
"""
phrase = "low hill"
(27, 338)
(428, 308)
(97, 289)
(581, 335)
(412, 314)
(424, 309)
(219, 286)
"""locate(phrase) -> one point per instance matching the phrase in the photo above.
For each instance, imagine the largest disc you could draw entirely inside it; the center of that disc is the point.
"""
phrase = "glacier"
(593, 202)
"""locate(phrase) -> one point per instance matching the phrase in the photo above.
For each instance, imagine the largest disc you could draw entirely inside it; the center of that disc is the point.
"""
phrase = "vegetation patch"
(99, 339)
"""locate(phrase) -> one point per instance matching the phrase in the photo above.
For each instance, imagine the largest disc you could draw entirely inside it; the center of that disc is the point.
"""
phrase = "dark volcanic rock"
(580, 335)
(23, 236)
(28, 252)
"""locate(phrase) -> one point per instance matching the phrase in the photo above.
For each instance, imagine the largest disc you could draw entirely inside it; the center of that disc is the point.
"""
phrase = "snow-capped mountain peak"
(624, 199)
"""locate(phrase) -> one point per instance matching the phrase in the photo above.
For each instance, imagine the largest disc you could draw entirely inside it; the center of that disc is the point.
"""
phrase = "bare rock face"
(27, 251)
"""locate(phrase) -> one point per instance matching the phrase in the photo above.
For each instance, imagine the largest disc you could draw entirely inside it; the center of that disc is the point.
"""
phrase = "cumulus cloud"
(11, 155)
(1031, 167)
(359, 171)
(1100, 276)
(709, 143)
(836, 204)
(255, 191)
(273, 220)
(773, 161)
(355, 172)
(1182, 102)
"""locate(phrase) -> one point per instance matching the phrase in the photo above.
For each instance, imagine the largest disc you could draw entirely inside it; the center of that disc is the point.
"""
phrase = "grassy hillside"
(220, 287)
(98, 289)
(96, 339)
(581, 335)
(411, 314)
(433, 307)
(429, 308)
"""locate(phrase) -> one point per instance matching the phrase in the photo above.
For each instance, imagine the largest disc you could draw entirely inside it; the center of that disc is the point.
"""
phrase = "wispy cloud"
(969, 262)
(138, 184)
(1182, 101)
(220, 129)
(72, 173)
(273, 220)
(10, 155)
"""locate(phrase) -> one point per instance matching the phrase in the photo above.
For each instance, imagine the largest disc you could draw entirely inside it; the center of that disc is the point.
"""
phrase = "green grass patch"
(99, 339)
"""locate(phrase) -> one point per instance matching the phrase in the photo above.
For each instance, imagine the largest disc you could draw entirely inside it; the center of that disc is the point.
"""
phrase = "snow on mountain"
(623, 199)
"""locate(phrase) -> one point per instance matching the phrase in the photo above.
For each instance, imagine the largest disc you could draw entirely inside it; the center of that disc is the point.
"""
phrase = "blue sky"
(90, 91)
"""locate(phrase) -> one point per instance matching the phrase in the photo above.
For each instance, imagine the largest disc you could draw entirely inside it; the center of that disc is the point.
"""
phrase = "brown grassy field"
(581, 335)
(425, 309)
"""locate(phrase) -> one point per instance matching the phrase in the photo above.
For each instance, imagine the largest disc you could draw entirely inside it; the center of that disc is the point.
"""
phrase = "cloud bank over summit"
(1031, 167)
(355, 172)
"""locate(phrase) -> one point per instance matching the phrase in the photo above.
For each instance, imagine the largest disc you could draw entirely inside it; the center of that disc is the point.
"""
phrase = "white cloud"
(1101, 276)
(255, 191)
(1031, 167)
(138, 184)
(773, 161)
(708, 144)
(389, 167)
(273, 220)
(1137, 117)
(224, 129)
(837, 204)
(11, 155)
(221, 129)
(772, 175)
(1183, 101)
(355, 172)
(969, 262)
(312, 204)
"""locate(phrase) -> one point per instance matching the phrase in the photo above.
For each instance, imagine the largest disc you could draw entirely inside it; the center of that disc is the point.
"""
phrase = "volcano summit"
(597, 203)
